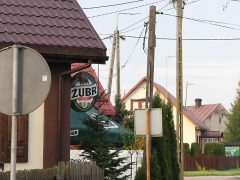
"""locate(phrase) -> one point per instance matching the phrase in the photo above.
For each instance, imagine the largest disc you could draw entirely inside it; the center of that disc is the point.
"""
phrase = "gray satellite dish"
(34, 80)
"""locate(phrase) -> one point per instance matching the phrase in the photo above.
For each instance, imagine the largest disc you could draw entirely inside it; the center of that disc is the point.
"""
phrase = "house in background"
(62, 34)
(193, 128)
(214, 116)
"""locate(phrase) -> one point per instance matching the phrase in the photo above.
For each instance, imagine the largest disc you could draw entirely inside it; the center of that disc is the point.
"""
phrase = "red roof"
(57, 27)
(166, 94)
(203, 112)
(107, 107)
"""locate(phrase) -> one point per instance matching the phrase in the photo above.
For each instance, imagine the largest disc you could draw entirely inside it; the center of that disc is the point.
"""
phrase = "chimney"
(198, 103)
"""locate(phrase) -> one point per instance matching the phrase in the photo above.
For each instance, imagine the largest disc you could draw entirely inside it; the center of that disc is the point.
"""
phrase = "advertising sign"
(232, 151)
(83, 92)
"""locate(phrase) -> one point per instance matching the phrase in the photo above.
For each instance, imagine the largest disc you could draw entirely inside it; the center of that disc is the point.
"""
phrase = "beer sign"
(83, 92)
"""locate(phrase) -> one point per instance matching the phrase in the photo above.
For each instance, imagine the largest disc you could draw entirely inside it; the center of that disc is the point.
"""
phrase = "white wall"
(35, 142)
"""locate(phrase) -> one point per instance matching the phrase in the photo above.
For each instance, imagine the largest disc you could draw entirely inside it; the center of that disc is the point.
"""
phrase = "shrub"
(155, 170)
(186, 149)
(195, 149)
(214, 149)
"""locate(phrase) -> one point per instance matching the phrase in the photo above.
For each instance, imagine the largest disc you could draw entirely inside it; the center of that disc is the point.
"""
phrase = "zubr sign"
(83, 92)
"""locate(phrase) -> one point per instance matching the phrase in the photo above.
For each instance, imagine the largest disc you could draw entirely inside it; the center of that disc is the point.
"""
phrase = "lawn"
(230, 172)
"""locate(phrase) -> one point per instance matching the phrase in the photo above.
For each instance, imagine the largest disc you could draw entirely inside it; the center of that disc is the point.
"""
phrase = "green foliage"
(141, 173)
(121, 112)
(232, 131)
(186, 149)
(199, 167)
(166, 146)
(155, 170)
(214, 149)
(195, 149)
(97, 148)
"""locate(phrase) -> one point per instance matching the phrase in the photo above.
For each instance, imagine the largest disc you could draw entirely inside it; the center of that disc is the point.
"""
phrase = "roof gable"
(106, 105)
(57, 27)
(167, 94)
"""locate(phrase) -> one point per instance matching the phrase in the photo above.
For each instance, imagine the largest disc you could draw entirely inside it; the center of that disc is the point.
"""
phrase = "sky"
(211, 46)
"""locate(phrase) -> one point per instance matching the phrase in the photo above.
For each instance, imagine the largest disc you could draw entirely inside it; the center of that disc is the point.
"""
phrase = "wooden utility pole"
(117, 64)
(111, 65)
(179, 87)
(149, 83)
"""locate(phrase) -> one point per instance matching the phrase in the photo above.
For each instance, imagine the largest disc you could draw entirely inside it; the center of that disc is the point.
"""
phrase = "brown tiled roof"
(163, 91)
(106, 105)
(58, 29)
(212, 134)
(203, 112)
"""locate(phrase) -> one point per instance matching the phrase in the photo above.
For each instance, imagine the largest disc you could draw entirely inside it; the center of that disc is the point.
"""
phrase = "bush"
(214, 149)
(155, 170)
(186, 149)
(195, 149)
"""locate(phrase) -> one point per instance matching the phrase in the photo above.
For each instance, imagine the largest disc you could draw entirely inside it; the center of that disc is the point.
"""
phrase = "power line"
(132, 29)
(112, 5)
(133, 49)
(204, 21)
(142, 19)
(125, 9)
(193, 39)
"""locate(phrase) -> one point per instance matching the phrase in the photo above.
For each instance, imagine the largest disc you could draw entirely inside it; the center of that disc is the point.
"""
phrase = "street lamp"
(187, 84)
(115, 48)
(167, 57)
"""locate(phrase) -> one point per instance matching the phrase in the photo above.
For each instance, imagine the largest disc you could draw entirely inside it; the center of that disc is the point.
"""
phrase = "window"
(220, 120)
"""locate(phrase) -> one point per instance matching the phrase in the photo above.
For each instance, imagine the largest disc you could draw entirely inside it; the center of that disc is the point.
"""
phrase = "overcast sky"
(213, 66)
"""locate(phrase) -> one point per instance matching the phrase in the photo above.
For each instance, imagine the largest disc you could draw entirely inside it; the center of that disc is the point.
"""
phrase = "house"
(214, 116)
(62, 34)
(194, 129)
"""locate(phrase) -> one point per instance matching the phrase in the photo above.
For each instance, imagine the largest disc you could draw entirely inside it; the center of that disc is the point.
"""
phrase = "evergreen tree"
(121, 111)
(97, 148)
(166, 146)
(232, 132)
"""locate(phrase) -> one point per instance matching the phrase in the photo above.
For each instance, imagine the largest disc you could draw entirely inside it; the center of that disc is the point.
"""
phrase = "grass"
(230, 172)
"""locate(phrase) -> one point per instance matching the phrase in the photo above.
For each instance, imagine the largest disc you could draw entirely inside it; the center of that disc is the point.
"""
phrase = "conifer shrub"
(214, 149)
(195, 149)
(155, 170)
(186, 149)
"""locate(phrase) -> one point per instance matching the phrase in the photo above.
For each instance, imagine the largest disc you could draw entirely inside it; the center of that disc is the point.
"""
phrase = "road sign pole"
(147, 145)
(14, 113)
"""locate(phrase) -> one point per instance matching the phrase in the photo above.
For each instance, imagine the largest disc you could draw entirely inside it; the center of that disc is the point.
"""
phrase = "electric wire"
(133, 49)
(192, 39)
(203, 21)
(112, 5)
(141, 20)
(132, 29)
(125, 9)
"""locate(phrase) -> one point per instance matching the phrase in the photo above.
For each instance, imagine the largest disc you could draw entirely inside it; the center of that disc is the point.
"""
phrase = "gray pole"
(110, 74)
(14, 113)
(179, 88)
(117, 64)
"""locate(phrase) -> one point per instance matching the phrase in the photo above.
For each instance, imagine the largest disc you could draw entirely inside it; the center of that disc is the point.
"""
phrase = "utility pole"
(179, 88)
(117, 64)
(115, 48)
(149, 84)
(111, 65)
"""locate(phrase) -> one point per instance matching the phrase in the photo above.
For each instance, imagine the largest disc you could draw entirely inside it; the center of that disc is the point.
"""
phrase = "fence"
(69, 171)
(211, 162)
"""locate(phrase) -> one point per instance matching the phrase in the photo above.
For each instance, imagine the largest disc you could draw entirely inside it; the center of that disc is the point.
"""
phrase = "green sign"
(232, 151)
(83, 92)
